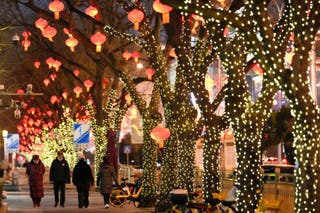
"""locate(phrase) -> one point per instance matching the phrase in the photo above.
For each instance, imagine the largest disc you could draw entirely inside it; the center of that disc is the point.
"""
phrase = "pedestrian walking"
(82, 178)
(35, 171)
(59, 175)
(105, 177)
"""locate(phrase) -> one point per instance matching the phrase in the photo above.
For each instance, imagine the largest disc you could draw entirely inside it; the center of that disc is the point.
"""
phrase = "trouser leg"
(80, 199)
(106, 197)
(86, 198)
(62, 193)
(56, 191)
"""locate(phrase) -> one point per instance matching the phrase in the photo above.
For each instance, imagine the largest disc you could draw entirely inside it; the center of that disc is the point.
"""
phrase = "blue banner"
(12, 143)
(81, 134)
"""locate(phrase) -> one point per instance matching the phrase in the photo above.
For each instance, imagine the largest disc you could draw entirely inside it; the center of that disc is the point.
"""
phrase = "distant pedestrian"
(105, 177)
(35, 171)
(82, 178)
(60, 175)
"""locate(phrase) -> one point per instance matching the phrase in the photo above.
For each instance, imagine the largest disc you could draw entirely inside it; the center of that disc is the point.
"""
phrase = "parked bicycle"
(126, 192)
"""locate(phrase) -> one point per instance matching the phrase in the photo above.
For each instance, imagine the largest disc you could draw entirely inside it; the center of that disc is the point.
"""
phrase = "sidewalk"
(21, 202)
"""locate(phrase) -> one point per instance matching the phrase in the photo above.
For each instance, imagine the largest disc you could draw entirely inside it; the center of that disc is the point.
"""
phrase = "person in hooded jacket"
(35, 171)
(82, 178)
(59, 175)
(105, 177)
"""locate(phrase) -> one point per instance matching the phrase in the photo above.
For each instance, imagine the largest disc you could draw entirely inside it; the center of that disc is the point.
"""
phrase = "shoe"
(106, 206)
(85, 206)
(34, 205)
(62, 205)
(55, 205)
(80, 207)
(38, 204)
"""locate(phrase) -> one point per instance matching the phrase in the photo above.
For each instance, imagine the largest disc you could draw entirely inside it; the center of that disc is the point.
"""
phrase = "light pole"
(4, 136)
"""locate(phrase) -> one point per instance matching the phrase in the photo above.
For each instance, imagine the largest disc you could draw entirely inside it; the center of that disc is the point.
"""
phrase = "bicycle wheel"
(115, 200)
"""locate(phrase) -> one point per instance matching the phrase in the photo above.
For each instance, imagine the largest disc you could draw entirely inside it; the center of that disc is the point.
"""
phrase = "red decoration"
(257, 69)
(104, 82)
(160, 133)
(41, 23)
(126, 55)
(150, 72)
(20, 91)
(65, 95)
(49, 32)
(56, 64)
(26, 44)
(76, 72)
(53, 76)
(71, 42)
(128, 99)
(53, 99)
(88, 84)
(91, 11)
(78, 91)
(49, 61)
(136, 55)
(98, 39)
(46, 82)
(163, 9)
(56, 7)
(37, 64)
(135, 16)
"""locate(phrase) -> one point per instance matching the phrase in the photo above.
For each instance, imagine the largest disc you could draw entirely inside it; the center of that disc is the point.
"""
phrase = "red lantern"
(20, 91)
(37, 64)
(49, 61)
(128, 99)
(98, 39)
(88, 84)
(53, 99)
(41, 23)
(65, 95)
(150, 72)
(49, 32)
(76, 72)
(56, 65)
(26, 44)
(257, 69)
(160, 133)
(135, 16)
(56, 7)
(71, 43)
(104, 82)
(91, 11)
(126, 55)
(78, 91)
(46, 82)
(53, 76)
(163, 9)
(136, 55)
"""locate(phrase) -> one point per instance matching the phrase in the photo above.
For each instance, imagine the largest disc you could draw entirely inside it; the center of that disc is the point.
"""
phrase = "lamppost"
(5, 152)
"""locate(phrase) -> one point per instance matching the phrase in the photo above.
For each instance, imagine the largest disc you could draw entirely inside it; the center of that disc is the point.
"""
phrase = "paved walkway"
(21, 202)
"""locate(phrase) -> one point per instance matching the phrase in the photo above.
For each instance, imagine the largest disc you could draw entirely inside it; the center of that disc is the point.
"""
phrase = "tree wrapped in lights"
(269, 48)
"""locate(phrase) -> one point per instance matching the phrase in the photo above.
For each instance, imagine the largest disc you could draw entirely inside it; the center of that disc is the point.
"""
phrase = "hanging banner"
(12, 143)
(81, 135)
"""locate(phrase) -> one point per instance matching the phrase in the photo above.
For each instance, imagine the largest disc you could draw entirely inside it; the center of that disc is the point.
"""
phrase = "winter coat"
(82, 176)
(104, 178)
(59, 171)
(35, 173)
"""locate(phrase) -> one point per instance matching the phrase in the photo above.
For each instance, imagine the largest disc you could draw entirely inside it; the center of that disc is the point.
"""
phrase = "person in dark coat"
(35, 171)
(60, 175)
(105, 177)
(82, 178)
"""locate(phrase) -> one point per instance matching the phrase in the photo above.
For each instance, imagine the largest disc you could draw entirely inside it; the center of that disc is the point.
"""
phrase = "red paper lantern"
(76, 72)
(78, 91)
(126, 55)
(98, 39)
(135, 16)
(56, 7)
(26, 44)
(53, 99)
(160, 133)
(65, 95)
(56, 64)
(37, 64)
(136, 55)
(163, 9)
(88, 84)
(128, 99)
(49, 61)
(20, 91)
(53, 76)
(49, 32)
(46, 82)
(71, 43)
(104, 82)
(150, 72)
(91, 11)
(41, 23)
